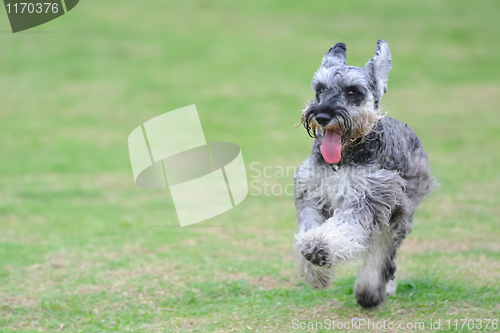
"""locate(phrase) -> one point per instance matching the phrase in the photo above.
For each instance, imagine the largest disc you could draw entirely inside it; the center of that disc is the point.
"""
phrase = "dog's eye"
(353, 92)
(354, 95)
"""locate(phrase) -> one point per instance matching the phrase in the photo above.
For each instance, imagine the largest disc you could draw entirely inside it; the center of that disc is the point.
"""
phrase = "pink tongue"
(330, 148)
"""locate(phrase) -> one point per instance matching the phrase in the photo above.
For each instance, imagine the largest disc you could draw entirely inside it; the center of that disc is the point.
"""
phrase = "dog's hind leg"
(378, 269)
(377, 276)
(401, 225)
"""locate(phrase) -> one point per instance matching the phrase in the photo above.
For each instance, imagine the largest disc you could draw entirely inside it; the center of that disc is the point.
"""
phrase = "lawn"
(83, 249)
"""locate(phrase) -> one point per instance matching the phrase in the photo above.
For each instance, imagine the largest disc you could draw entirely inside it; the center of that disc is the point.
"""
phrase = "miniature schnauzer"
(358, 191)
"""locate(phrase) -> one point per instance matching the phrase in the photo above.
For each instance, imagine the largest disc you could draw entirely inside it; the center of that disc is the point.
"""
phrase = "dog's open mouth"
(331, 146)
(333, 137)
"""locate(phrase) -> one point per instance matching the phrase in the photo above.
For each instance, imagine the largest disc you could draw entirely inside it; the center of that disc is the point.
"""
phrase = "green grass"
(82, 249)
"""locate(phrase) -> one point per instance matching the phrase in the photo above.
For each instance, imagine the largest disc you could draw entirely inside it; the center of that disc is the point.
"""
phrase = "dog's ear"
(336, 56)
(378, 68)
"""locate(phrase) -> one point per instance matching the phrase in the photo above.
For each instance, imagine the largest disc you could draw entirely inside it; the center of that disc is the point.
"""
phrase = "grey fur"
(364, 204)
(336, 56)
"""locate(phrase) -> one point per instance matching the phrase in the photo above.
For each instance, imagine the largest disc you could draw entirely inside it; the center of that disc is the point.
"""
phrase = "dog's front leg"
(310, 259)
(308, 216)
(338, 240)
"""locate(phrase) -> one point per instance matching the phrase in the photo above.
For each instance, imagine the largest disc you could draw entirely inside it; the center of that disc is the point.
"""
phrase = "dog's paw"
(317, 255)
(314, 248)
(313, 267)
(370, 297)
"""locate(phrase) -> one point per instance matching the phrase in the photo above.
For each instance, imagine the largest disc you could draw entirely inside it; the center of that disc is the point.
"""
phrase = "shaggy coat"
(364, 203)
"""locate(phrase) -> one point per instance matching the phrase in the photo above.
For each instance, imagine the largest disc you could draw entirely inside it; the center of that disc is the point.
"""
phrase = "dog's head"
(347, 99)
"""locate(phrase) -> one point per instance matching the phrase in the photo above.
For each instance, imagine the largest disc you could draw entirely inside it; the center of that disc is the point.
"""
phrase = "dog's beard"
(351, 125)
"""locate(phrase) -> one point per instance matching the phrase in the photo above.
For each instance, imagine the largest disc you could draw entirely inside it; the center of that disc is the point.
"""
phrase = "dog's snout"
(323, 118)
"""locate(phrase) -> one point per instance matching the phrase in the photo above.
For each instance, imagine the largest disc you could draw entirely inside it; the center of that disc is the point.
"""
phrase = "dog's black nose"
(323, 118)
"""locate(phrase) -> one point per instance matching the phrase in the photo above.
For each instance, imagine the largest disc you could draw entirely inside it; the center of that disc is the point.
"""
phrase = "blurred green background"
(83, 249)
